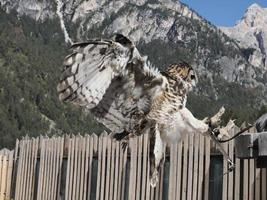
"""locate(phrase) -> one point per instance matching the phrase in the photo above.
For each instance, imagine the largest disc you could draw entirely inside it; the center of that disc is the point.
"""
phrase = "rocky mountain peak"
(254, 16)
(38, 10)
(254, 8)
(251, 34)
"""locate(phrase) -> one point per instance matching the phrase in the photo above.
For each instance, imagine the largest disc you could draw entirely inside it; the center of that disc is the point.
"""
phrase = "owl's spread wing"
(111, 79)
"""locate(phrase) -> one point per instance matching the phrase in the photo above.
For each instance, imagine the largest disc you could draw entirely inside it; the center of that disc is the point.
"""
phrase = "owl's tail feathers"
(87, 73)
(156, 156)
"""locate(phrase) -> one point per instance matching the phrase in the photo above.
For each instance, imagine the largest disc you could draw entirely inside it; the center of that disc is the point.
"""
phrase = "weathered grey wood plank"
(124, 173)
(44, 185)
(75, 164)
(61, 153)
(190, 166)
(88, 143)
(20, 170)
(108, 169)
(225, 177)
(251, 178)
(231, 174)
(68, 141)
(195, 169)
(72, 155)
(103, 170)
(245, 180)
(112, 185)
(145, 169)
(176, 183)
(257, 184)
(77, 169)
(100, 141)
(131, 189)
(28, 169)
(207, 168)
(34, 163)
(179, 169)
(93, 142)
(171, 193)
(237, 179)
(116, 173)
(55, 149)
(263, 184)
(25, 170)
(9, 175)
(139, 164)
(237, 172)
(3, 172)
(51, 168)
(160, 194)
(47, 168)
(185, 168)
(40, 177)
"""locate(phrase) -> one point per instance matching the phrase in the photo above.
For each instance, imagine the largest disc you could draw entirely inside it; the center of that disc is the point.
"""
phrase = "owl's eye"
(193, 77)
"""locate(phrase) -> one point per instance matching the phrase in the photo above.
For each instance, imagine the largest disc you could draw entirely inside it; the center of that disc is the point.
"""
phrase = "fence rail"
(95, 167)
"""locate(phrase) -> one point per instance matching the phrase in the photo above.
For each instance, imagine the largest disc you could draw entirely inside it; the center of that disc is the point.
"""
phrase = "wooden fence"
(6, 164)
(95, 167)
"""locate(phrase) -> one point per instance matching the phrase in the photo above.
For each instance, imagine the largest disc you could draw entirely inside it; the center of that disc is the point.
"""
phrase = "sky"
(222, 12)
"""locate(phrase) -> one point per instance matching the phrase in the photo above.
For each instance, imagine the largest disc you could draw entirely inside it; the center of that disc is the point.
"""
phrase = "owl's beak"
(194, 83)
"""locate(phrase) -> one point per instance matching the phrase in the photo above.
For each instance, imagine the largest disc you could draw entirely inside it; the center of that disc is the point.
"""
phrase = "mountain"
(33, 43)
(251, 34)
(147, 22)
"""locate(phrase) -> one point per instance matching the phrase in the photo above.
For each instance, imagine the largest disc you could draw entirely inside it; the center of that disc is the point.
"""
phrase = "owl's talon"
(120, 136)
(216, 132)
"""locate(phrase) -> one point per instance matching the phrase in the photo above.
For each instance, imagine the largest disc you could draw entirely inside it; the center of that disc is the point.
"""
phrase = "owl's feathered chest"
(166, 104)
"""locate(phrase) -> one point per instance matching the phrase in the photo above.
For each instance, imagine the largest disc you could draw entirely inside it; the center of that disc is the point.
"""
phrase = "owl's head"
(181, 71)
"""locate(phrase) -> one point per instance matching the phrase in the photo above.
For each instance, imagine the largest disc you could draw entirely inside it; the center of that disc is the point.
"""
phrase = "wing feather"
(110, 79)
(90, 69)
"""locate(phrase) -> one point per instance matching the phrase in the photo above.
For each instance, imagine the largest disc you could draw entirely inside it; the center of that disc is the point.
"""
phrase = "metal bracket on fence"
(231, 165)
(252, 146)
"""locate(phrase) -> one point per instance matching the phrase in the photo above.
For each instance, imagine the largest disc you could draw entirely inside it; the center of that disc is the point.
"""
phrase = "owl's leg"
(120, 136)
(125, 136)
(157, 154)
(125, 140)
(192, 122)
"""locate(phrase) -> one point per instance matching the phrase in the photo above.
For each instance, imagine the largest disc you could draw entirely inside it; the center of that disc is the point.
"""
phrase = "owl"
(123, 91)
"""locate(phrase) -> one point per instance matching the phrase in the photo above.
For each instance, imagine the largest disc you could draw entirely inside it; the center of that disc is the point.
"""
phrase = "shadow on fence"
(95, 167)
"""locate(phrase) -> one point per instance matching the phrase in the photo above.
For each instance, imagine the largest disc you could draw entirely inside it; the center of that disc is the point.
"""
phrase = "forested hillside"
(31, 57)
